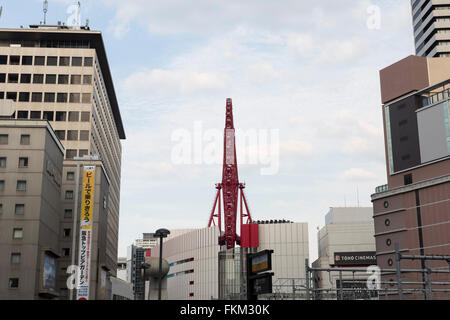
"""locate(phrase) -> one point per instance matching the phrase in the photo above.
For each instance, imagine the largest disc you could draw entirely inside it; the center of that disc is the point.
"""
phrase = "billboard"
(366, 258)
(49, 273)
(261, 261)
(86, 217)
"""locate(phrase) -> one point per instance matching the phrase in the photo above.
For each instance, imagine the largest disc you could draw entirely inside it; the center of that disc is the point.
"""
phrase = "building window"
(88, 61)
(65, 252)
(22, 114)
(35, 115)
(71, 153)
(36, 97)
(69, 194)
(77, 61)
(75, 79)
(68, 214)
(21, 185)
(25, 78)
(191, 283)
(61, 134)
(24, 97)
(2, 95)
(66, 233)
(70, 176)
(388, 242)
(61, 98)
(86, 98)
(49, 97)
(408, 179)
(3, 59)
(11, 96)
(87, 79)
(13, 283)
(39, 61)
(25, 139)
(74, 116)
(2, 185)
(27, 60)
(75, 98)
(64, 61)
(19, 209)
(48, 115)
(3, 139)
(13, 78)
(2, 77)
(14, 60)
(83, 152)
(50, 79)
(72, 135)
(3, 162)
(85, 116)
(17, 233)
(38, 78)
(23, 162)
(63, 79)
(1, 208)
(387, 222)
(84, 135)
(52, 61)
(60, 116)
(390, 262)
(191, 294)
(15, 257)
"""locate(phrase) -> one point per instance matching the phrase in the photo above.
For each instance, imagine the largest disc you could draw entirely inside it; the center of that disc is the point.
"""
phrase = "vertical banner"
(84, 255)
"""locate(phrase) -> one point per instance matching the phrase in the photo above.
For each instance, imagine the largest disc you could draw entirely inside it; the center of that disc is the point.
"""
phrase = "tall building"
(431, 22)
(61, 75)
(413, 209)
(135, 259)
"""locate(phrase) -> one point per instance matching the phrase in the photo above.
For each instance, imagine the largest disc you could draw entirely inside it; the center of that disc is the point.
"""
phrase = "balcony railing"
(441, 96)
(381, 189)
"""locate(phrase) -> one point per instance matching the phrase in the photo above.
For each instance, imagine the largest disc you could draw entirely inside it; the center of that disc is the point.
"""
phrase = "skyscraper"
(61, 74)
(431, 22)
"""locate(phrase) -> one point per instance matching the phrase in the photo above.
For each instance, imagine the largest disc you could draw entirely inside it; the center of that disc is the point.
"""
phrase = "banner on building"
(86, 218)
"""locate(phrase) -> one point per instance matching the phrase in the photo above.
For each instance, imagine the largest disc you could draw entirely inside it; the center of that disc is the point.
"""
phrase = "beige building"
(62, 75)
(31, 159)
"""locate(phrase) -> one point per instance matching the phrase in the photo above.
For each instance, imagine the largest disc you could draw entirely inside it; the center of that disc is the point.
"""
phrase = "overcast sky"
(303, 71)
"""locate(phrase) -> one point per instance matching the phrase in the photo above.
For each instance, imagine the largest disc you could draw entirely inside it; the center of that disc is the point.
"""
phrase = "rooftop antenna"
(1, 10)
(45, 9)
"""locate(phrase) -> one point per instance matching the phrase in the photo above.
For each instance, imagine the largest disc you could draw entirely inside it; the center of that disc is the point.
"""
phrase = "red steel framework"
(230, 189)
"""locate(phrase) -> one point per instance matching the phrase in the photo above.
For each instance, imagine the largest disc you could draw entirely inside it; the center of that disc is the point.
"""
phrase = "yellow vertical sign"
(86, 219)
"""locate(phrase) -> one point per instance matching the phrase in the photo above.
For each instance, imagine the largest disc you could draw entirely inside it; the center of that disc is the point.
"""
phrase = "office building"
(413, 209)
(61, 75)
(135, 259)
(431, 23)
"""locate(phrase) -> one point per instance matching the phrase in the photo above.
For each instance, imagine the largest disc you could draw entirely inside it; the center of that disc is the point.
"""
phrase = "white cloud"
(358, 174)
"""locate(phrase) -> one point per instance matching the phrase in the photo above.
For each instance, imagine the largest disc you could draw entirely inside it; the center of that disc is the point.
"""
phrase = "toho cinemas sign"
(366, 258)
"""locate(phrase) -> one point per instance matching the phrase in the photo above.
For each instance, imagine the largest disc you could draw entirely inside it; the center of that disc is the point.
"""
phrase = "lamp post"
(145, 266)
(160, 233)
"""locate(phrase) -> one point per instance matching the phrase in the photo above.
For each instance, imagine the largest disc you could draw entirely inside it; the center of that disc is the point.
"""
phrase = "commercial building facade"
(413, 209)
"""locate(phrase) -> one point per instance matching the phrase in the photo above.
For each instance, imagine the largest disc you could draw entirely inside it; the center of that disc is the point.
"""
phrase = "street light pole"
(160, 233)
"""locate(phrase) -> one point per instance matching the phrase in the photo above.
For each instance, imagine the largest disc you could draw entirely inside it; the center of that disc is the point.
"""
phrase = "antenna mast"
(45, 9)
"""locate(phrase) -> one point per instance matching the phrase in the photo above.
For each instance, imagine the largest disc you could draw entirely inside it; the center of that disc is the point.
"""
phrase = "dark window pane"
(64, 61)
(36, 97)
(2, 77)
(85, 116)
(14, 60)
(38, 78)
(2, 95)
(11, 96)
(22, 114)
(87, 79)
(50, 79)
(86, 98)
(48, 115)
(74, 116)
(83, 152)
(61, 98)
(35, 115)
(25, 78)
(77, 62)
(52, 61)
(3, 59)
(84, 135)
(13, 77)
(61, 134)
(74, 98)
(60, 116)
(49, 97)
(88, 61)
(27, 60)
(75, 79)
(72, 135)
(63, 79)
(39, 61)
(24, 97)
(70, 153)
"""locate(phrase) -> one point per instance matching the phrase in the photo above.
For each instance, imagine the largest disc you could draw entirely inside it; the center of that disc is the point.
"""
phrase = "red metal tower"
(230, 187)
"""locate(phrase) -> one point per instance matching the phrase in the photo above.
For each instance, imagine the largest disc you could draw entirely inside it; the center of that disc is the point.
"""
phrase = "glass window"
(25, 139)
(66, 233)
(27, 60)
(48, 115)
(68, 213)
(38, 78)
(52, 61)
(13, 283)
(15, 257)
(2, 95)
(2, 162)
(71, 153)
(19, 209)
(39, 61)
(22, 114)
(36, 97)
(88, 61)
(2, 77)
(84, 135)
(13, 78)
(60, 116)
(77, 61)
(72, 135)
(66, 252)
(74, 116)
(64, 61)
(61, 98)
(3, 59)
(35, 114)
(17, 233)
(25, 78)
(86, 98)
(70, 175)
(49, 97)
(75, 79)
(75, 98)
(87, 79)
(14, 60)
(23, 162)
(69, 194)
(61, 134)
(1, 208)
(83, 152)
(21, 185)
(2, 185)
(24, 97)
(50, 79)
(11, 96)
(63, 79)
(3, 139)
(85, 116)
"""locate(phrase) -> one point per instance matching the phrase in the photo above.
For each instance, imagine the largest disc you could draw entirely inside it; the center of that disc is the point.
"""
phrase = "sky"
(304, 79)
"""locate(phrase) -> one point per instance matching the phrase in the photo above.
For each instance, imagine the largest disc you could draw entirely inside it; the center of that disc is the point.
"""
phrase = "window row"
(20, 186)
(23, 162)
(72, 153)
(51, 97)
(73, 135)
(19, 208)
(24, 139)
(48, 61)
(38, 78)
(71, 116)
